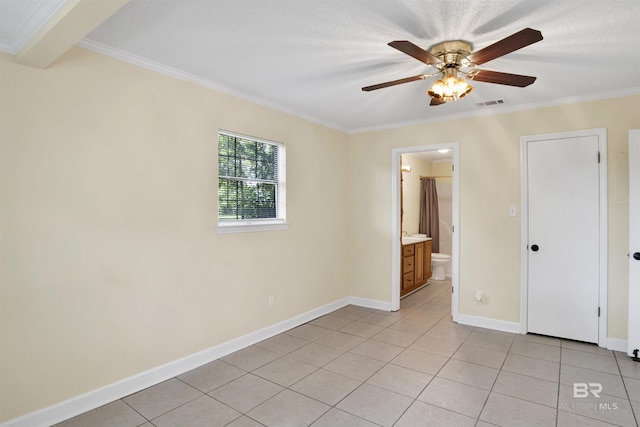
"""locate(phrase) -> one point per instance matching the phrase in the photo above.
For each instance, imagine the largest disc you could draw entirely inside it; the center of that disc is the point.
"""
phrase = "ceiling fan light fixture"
(450, 87)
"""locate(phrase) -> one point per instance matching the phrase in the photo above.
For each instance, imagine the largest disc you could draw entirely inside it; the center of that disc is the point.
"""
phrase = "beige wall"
(110, 261)
(411, 192)
(489, 167)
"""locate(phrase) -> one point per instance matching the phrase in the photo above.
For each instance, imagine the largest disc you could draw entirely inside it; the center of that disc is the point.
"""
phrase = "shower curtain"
(429, 220)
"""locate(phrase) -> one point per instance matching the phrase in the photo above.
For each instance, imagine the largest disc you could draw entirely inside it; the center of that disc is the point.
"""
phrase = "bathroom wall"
(411, 192)
(445, 198)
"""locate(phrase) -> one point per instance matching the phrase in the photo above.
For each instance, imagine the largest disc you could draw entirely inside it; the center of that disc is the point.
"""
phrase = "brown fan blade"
(435, 101)
(501, 78)
(507, 45)
(395, 82)
(417, 52)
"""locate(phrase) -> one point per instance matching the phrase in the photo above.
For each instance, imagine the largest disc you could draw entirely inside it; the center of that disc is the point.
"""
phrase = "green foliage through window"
(247, 179)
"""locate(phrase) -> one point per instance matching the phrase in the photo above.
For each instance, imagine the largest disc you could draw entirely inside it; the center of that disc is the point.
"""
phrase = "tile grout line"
(598, 371)
(368, 378)
(322, 367)
(494, 382)
(415, 399)
(624, 384)
(134, 409)
(559, 384)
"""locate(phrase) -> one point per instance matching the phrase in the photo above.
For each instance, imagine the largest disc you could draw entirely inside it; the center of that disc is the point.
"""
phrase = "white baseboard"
(96, 398)
(488, 323)
(370, 303)
(617, 344)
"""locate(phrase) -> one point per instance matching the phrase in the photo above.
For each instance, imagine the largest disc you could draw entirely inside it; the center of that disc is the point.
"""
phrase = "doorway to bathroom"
(440, 161)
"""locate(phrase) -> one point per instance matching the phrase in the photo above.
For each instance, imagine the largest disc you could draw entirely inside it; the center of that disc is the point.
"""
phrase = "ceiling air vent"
(488, 103)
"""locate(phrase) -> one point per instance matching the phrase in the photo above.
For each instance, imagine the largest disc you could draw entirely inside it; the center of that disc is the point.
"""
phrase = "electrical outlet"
(272, 301)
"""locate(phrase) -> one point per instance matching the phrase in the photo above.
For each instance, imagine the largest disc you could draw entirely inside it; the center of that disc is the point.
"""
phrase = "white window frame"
(254, 225)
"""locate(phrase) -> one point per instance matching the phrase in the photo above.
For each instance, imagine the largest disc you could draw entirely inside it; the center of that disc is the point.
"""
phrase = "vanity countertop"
(410, 240)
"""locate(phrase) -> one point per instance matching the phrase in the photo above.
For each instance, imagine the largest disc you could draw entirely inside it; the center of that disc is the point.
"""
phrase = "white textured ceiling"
(20, 18)
(312, 57)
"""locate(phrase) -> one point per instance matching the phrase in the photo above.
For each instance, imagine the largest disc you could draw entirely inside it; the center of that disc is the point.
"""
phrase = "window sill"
(250, 227)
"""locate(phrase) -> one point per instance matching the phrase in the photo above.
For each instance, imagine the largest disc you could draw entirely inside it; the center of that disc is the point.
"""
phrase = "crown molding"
(192, 78)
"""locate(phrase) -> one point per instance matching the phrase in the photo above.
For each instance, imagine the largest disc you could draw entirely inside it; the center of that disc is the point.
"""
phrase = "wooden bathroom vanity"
(416, 265)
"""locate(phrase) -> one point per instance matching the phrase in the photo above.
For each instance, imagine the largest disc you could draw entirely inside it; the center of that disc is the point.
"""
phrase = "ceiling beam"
(74, 20)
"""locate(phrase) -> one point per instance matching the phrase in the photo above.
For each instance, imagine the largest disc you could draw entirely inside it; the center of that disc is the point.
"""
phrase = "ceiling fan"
(455, 57)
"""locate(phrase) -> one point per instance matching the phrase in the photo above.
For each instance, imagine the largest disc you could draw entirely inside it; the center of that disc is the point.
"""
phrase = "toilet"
(438, 264)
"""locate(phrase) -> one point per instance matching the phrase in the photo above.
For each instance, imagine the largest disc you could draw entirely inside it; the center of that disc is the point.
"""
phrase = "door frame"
(601, 134)
(396, 233)
(633, 331)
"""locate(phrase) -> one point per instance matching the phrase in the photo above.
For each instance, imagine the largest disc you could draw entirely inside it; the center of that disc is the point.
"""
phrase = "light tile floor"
(415, 367)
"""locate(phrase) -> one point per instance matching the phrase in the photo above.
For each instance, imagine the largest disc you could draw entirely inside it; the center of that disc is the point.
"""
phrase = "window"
(251, 190)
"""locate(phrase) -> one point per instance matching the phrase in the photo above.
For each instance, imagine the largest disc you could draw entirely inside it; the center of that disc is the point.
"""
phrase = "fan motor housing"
(452, 53)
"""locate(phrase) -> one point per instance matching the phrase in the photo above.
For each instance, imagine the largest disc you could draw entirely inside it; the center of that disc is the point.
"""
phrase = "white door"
(563, 237)
(634, 242)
